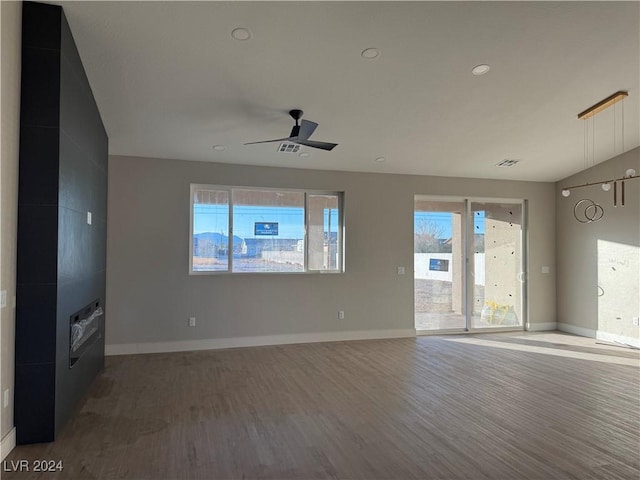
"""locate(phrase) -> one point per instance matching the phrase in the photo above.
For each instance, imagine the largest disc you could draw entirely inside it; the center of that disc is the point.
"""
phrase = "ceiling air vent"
(288, 147)
(507, 163)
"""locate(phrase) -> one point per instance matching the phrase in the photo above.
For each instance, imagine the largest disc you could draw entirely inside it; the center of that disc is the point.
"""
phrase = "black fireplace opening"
(84, 330)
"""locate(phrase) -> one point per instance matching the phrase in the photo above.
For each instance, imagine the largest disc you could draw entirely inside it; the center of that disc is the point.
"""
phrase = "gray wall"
(11, 13)
(602, 253)
(150, 294)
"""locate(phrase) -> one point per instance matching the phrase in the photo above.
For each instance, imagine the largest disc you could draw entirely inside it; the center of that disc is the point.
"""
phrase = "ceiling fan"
(300, 134)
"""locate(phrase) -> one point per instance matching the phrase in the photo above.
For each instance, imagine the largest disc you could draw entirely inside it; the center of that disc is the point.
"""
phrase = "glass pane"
(323, 232)
(497, 265)
(268, 231)
(438, 265)
(210, 230)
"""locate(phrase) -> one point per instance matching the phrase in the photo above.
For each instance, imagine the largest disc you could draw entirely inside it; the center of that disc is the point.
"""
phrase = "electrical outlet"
(192, 321)
(636, 321)
(5, 398)
(341, 314)
(3, 298)
(400, 270)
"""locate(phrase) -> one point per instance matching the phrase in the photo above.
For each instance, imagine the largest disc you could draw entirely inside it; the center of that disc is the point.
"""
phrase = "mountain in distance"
(216, 238)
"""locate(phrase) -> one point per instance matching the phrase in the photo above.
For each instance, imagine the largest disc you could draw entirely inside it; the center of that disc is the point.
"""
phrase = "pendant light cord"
(593, 142)
(623, 125)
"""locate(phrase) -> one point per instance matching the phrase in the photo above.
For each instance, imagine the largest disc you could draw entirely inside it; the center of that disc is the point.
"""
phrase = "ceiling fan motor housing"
(296, 114)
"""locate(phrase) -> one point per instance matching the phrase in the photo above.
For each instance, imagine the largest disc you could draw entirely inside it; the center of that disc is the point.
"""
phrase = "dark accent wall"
(61, 257)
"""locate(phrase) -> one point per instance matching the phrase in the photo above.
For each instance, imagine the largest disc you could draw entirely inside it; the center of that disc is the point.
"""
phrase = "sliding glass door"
(468, 264)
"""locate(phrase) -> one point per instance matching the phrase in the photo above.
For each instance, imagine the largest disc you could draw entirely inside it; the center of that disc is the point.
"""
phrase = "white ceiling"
(171, 82)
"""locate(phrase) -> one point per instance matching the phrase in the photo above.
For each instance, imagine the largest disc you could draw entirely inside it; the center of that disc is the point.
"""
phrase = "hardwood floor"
(496, 406)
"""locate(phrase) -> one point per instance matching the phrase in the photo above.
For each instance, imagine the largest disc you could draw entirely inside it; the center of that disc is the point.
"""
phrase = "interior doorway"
(469, 264)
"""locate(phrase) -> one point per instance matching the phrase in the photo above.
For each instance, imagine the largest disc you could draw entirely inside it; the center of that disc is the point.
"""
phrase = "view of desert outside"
(440, 242)
(268, 231)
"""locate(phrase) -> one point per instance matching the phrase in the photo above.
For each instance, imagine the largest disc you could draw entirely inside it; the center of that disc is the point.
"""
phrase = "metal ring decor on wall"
(587, 211)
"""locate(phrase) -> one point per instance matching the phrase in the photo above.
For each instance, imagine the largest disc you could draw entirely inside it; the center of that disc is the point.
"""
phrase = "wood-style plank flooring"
(498, 406)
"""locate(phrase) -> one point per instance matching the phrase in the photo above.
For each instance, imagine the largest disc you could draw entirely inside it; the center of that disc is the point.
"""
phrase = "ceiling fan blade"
(271, 141)
(306, 129)
(320, 145)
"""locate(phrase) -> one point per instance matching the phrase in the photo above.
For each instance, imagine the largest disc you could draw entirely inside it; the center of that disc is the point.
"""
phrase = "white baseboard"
(613, 338)
(583, 332)
(8, 443)
(542, 327)
(219, 343)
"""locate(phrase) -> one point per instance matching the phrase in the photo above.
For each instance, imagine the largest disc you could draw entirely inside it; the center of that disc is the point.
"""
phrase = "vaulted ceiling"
(172, 82)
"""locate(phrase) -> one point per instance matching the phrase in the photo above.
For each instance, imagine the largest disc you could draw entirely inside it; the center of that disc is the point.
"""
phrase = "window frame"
(230, 189)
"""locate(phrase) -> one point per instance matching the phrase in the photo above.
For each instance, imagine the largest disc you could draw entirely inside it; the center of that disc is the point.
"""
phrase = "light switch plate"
(88, 218)
(3, 298)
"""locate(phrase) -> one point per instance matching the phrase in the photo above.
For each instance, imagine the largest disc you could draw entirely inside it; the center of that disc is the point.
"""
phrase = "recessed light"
(370, 53)
(241, 34)
(219, 148)
(380, 159)
(304, 154)
(480, 69)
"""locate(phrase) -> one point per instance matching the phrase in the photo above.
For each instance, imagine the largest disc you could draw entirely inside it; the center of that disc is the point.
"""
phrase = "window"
(210, 241)
(264, 230)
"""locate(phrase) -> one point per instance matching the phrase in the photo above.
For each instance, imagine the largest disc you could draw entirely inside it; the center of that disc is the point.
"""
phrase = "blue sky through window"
(290, 220)
(443, 220)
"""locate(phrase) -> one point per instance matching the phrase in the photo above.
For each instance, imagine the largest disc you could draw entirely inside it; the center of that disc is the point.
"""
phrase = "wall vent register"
(507, 163)
(289, 147)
